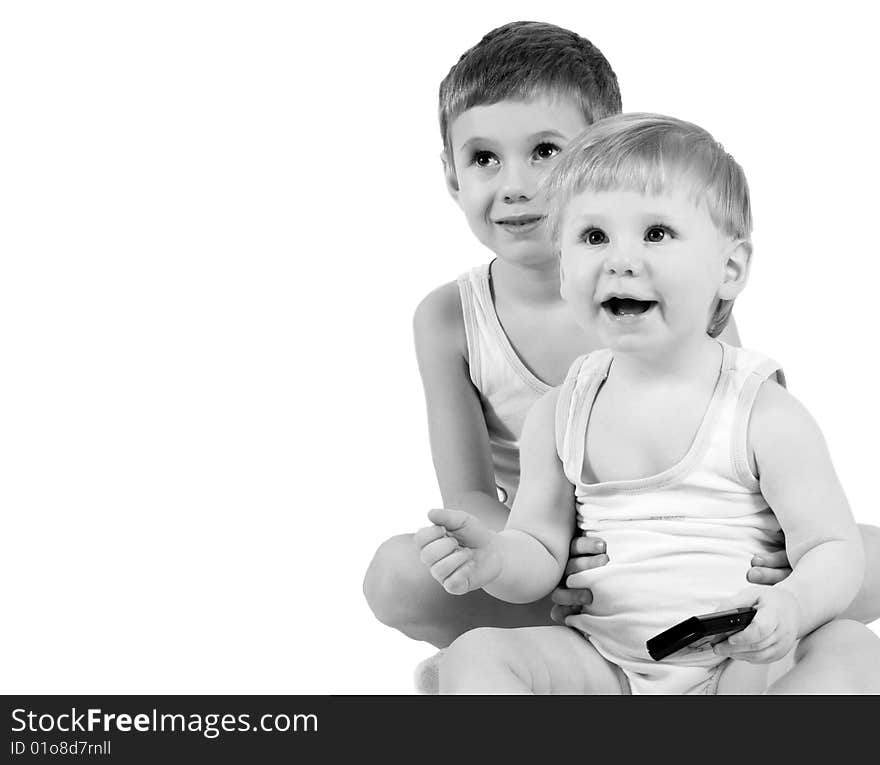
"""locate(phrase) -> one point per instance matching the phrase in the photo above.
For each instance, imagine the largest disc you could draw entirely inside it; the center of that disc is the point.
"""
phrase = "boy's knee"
(401, 593)
(386, 580)
(841, 637)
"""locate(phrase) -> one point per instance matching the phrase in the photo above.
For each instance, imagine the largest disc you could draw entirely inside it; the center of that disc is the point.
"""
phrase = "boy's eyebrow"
(541, 134)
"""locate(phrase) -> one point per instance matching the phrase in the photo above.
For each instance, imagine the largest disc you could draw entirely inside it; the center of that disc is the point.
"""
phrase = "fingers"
(759, 635)
(453, 520)
(778, 559)
(770, 648)
(769, 568)
(560, 613)
(428, 534)
(562, 596)
(443, 569)
(587, 546)
(576, 565)
(437, 550)
(760, 575)
(568, 603)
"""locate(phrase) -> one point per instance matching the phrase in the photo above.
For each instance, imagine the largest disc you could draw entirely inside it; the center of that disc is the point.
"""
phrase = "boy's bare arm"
(534, 544)
(456, 424)
(800, 484)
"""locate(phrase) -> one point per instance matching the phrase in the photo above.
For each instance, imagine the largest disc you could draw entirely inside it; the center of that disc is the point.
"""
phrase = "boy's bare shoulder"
(438, 322)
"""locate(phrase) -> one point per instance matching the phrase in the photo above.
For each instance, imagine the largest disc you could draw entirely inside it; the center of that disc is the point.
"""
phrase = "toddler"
(684, 453)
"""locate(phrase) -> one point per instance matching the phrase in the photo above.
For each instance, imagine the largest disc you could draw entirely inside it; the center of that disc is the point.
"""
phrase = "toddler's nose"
(621, 263)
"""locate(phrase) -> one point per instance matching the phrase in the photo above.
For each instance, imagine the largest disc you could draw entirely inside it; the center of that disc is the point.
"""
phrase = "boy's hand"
(459, 550)
(772, 632)
(769, 568)
(585, 553)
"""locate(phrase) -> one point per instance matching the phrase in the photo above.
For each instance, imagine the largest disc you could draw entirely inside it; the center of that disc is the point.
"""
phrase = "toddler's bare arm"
(535, 542)
(800, 484)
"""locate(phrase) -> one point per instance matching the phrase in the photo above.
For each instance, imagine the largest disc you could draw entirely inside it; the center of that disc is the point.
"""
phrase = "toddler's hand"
(772, 632)
(459, 550)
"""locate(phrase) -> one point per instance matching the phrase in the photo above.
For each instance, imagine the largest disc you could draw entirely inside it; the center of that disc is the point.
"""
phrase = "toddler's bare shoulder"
(777, 414)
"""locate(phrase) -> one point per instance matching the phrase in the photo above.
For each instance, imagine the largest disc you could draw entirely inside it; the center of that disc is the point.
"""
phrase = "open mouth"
(620, 307)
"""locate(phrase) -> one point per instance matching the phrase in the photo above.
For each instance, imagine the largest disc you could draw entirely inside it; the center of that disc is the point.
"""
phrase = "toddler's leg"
(539, 660)
(402, 594)
(842, 656)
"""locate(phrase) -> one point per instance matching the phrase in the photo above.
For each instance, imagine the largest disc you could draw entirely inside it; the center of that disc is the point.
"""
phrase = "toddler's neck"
(698, 358)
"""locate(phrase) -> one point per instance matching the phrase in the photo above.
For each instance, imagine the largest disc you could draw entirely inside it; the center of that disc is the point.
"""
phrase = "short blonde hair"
(649, 153)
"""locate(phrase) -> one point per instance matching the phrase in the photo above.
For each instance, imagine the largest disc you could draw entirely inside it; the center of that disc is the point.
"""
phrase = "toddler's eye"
(594, 236)
(484, 159)
(657, 234)
(546, 151)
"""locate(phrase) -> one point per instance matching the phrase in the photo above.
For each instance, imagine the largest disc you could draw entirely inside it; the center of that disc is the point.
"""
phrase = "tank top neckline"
(671, 474)
(513, 358)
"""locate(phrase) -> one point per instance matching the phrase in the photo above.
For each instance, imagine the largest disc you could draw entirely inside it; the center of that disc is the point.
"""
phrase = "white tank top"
(679, 541)
(507, 388)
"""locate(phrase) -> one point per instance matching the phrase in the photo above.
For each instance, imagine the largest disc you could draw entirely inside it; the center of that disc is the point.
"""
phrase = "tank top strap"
(576, 396)
(469, 292)
(751, 371)
(489, 348)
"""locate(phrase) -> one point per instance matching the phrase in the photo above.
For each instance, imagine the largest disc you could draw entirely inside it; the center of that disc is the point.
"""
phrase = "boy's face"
(645, 271)
(501, 153)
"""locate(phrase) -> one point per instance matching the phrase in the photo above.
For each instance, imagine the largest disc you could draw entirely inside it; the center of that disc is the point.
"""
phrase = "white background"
(216, 220)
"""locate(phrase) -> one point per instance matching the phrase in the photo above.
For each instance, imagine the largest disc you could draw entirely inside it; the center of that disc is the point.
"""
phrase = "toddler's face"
(645, 271)
(501, 153)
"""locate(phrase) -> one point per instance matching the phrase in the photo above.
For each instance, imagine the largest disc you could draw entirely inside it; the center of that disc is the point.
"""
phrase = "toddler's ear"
(451, 179)
(736, 269)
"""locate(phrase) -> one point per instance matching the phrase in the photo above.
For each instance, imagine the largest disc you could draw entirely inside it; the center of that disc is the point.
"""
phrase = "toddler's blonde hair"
(650, 153)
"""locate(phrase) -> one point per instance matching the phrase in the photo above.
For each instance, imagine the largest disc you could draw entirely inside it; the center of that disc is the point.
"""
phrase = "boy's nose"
(517, 184)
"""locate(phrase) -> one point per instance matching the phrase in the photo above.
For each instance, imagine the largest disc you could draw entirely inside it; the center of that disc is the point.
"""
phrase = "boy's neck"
(688, 361)
(537, 284)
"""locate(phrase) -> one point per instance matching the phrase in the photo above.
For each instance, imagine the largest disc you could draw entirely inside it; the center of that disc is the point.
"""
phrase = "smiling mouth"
(620, 307)
(520, 222)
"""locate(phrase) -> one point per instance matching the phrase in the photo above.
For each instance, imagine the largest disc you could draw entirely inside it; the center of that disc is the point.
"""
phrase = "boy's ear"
(736, 269)
(451, 178)
(562, 286)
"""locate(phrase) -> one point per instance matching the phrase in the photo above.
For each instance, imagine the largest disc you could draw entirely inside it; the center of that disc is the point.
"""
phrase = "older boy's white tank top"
(507, 388)
(679, 541)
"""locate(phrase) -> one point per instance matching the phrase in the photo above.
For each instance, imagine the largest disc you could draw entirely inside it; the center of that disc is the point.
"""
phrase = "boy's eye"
(657, 234)
(484, 159)
(546, 151)
(594, 236)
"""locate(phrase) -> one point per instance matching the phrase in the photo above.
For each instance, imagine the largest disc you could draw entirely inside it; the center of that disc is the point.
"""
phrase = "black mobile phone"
(699, 631)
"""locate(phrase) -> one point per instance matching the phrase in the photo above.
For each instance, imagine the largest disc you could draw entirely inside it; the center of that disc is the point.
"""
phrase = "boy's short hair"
(649, 153)
(520, 60)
